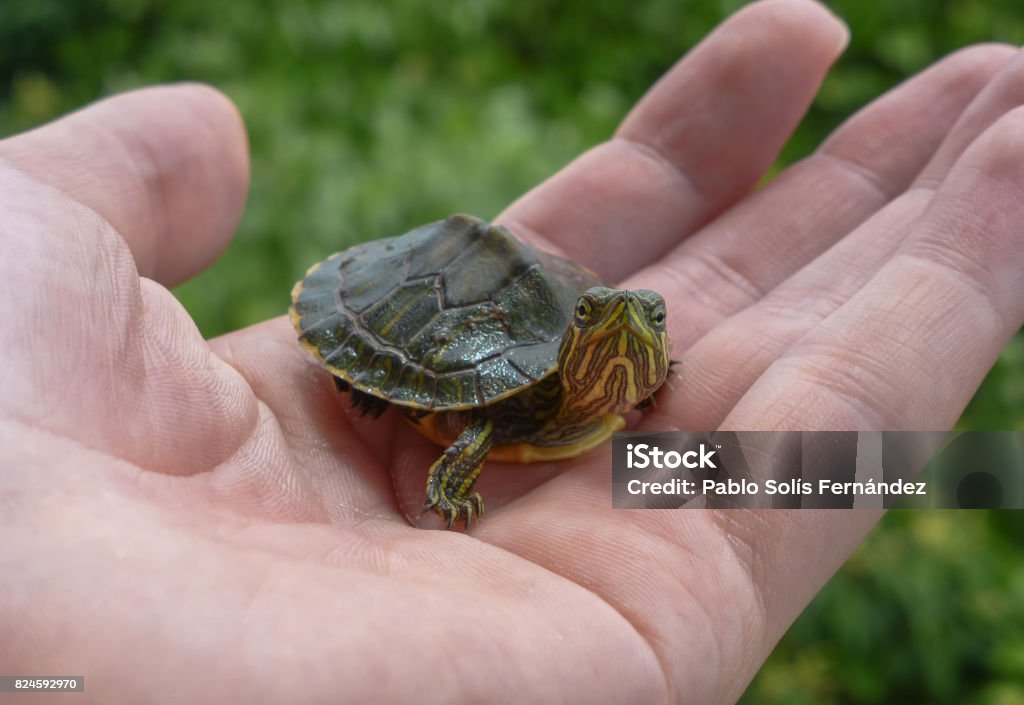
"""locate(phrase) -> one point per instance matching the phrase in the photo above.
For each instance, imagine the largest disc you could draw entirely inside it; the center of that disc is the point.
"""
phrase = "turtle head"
(614, 353)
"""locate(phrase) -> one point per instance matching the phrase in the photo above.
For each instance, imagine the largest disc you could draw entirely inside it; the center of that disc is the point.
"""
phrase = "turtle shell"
(452, 315)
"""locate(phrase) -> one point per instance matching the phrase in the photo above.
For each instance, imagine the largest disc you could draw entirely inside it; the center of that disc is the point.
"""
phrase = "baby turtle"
(491, 348)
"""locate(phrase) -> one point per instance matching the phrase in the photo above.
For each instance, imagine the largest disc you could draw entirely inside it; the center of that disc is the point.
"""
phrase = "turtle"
(490, 347)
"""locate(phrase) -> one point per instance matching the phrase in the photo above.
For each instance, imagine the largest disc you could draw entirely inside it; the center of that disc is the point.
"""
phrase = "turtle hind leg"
(450, 484)
(366, 403)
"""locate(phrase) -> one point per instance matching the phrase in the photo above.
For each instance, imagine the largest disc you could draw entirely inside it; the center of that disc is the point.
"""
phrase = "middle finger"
(871, 159)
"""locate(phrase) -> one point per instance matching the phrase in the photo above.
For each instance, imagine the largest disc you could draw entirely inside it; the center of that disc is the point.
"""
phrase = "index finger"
(696, 143)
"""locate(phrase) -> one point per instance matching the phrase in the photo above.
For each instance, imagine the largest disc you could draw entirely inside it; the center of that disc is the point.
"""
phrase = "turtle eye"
(583, 310)
(657, 317)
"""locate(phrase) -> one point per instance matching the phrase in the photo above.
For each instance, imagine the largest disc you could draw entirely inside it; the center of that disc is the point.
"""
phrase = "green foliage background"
(368, 117)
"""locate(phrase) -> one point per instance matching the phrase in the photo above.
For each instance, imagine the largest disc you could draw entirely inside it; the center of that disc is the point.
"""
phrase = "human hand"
(196, 520)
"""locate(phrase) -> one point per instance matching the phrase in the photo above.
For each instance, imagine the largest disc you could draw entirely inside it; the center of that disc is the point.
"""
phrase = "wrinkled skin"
(202, 521)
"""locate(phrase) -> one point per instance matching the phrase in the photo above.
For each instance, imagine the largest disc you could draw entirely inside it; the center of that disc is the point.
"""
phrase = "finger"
(731, 263)
(167, 167)
(1000, 96)
(698, 141)
(723, 364)
(910, 348)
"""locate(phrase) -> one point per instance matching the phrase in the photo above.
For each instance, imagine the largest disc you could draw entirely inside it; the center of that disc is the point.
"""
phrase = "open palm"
(187, 520)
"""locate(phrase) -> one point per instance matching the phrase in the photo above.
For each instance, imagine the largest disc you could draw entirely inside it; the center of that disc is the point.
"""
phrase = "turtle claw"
(453, 509)
(472, 503)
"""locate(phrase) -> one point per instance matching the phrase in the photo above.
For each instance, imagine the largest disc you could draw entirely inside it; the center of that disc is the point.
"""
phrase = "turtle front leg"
(453, 475)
